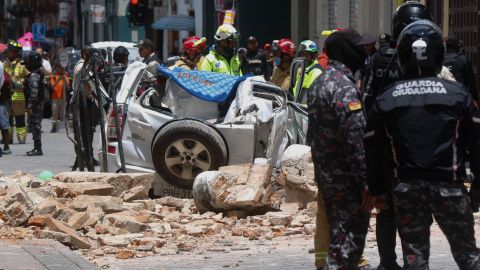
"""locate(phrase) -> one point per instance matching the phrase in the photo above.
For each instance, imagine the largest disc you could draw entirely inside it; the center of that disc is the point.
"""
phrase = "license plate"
(162, 188)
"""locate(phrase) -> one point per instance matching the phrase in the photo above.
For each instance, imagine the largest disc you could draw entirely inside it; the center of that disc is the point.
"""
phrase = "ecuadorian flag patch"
(354, 106)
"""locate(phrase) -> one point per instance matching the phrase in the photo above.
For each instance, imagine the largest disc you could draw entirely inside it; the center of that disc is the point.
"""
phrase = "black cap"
(147, 43)
(252, 38)
(367, 40)
(352, 35)
(384, 38)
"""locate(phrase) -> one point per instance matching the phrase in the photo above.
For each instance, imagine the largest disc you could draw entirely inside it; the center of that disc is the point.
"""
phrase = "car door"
(297, 123)
(141, 124)
(298, 115)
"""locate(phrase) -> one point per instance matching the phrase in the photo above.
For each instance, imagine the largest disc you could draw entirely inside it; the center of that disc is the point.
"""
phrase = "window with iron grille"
(464, 24)
(332, 14)
(354, 14)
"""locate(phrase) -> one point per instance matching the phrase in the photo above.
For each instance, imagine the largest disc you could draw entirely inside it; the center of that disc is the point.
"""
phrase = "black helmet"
(33, 61)
(421, 45)
(14, 45)
(406, 14)
(120, 53)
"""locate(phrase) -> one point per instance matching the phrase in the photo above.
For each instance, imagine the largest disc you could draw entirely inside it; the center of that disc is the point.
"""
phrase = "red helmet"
(195, 44)
(285, 46)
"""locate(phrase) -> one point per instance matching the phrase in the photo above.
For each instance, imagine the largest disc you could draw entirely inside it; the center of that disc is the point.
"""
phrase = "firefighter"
(223, 58)
(308, 49)
(283, 51)
(193, 48)
(17, 72)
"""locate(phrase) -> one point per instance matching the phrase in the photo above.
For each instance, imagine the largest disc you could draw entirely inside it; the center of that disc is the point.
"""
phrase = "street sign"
(63, 58)
(59, 32)
(98, 13)
(219, 5)
(39, 31)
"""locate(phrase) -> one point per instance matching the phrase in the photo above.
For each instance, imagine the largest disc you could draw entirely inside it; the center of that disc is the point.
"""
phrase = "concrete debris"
(299, 179)
(107, 203)
(120, 182)
(71, 190)
(49, 206)
(58, 236)
(236, 187)
(136, 193)
(123, 221)
(78, 219)
(171, 202)
(279, 218)
(92, 212)
(125, 254)
(75, 239)
(15, 204)
(120, 241)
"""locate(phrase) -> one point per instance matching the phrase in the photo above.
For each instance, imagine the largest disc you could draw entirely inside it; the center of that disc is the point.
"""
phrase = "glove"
(474, 195)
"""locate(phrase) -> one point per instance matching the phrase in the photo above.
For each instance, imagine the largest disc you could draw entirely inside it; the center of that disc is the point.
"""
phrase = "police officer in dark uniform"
(254, 61)
(459, 65)
(430, 124)
(34, 95)
(382, 71)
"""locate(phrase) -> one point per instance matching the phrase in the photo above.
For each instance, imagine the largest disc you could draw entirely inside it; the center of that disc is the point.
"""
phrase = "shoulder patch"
(354, 106)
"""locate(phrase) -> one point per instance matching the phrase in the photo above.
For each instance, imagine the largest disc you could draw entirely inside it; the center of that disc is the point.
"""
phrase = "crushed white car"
(171, 129)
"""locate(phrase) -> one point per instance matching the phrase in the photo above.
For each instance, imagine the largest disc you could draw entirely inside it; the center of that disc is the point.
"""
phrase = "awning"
(175, 23)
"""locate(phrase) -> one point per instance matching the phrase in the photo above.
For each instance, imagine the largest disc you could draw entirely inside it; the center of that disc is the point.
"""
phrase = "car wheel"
(184, 149)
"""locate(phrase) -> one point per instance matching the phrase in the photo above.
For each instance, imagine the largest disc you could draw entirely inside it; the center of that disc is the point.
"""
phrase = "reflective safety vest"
(214, 62)
(313, 71)
(18, 73)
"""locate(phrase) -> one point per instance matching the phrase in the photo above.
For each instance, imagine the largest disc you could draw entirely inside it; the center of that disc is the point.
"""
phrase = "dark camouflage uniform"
(415, 202)
(336, 123)
(35, 94)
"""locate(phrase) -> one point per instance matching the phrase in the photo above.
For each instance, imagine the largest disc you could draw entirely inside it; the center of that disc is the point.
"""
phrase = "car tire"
(183, 149)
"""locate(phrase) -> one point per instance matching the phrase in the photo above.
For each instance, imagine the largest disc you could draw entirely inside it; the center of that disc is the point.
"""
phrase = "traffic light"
(136, 11)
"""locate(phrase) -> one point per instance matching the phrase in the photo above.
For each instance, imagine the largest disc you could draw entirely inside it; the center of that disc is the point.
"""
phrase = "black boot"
(54, 128)
(37, 150)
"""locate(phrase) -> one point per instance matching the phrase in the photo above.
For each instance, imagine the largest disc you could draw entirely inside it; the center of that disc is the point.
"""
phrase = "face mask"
(277, 61)
(226, 51)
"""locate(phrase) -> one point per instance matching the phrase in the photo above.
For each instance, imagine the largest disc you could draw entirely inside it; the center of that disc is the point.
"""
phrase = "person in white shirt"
(47, 67)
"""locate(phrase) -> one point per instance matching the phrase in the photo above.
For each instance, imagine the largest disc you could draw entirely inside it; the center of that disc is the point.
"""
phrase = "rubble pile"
(111, 214)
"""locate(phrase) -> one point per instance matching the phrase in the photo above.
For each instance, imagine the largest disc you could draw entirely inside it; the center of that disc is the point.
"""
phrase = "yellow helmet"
(226, 31)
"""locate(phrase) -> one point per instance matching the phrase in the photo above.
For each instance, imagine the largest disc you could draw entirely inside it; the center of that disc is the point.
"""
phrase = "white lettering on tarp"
(420, 87)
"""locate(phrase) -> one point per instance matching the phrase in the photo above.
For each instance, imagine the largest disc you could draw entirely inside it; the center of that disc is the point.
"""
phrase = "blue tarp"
(209, 86)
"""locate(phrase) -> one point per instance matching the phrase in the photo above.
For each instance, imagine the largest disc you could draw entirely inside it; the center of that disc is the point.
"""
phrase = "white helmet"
(226, 31)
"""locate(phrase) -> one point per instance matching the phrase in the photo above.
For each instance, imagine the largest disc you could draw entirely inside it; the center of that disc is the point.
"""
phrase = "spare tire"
(184, 149)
